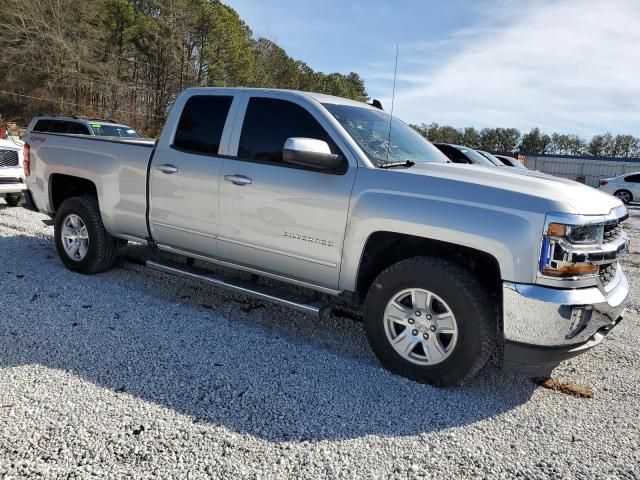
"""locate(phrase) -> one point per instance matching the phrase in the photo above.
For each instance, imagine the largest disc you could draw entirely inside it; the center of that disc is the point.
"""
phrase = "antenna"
(393, 98)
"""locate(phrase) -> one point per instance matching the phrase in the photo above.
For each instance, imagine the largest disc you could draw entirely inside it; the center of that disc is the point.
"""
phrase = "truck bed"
(117, 168)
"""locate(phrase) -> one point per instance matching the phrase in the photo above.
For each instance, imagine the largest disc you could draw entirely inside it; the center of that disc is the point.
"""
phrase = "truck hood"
(576, 197)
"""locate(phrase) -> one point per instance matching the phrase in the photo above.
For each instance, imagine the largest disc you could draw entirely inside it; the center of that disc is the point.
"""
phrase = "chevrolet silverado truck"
(450, 264)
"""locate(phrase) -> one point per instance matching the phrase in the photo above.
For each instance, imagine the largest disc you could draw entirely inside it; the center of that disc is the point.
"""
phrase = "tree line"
(534, 141)
(128, 59)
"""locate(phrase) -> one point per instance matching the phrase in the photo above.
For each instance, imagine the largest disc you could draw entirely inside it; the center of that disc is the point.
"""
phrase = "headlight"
(563, 246)
(578, 234)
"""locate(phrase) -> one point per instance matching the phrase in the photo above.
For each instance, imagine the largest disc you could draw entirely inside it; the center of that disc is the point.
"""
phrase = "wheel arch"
(383, 249)
(63, 186)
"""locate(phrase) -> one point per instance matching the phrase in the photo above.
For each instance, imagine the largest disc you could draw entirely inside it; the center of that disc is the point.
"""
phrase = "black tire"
(13, 199)
(468, 300)
(626, 200)
(102, 249)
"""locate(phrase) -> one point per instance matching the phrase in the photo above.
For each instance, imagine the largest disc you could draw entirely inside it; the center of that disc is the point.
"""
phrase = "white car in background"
(11, 171)
(625, 187)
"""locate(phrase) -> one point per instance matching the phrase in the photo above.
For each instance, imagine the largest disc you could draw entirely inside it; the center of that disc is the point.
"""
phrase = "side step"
(252, 289)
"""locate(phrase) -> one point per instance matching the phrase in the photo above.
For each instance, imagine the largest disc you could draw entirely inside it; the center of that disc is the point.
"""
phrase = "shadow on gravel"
(264, 372)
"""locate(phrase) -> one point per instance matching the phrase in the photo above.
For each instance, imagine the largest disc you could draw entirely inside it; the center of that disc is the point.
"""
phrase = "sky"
(566, 66)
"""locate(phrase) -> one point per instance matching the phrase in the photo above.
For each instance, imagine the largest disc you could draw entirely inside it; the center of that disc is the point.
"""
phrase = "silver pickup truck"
(451, 264)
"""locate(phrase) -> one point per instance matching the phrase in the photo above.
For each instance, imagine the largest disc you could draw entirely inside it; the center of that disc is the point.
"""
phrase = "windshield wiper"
(405, 164)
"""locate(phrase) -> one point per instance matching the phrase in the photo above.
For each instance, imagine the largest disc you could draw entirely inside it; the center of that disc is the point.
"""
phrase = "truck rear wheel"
(430, 320)
(81, 240)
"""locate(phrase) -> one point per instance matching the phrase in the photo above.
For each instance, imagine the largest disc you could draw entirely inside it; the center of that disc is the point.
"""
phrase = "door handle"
(167, 168)
(238, 179)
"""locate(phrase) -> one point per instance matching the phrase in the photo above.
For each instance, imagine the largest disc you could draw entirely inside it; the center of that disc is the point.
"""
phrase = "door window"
(42, 126)
(632, 178)
(75, 128)
(268, 124)
(201, 124)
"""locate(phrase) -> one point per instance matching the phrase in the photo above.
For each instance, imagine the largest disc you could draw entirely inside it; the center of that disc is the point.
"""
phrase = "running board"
(300, 303)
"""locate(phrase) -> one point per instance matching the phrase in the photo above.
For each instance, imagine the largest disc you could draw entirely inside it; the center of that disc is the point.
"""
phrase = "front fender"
(509, 235)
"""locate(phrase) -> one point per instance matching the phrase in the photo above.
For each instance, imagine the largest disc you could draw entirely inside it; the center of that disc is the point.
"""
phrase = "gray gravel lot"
(137, 374)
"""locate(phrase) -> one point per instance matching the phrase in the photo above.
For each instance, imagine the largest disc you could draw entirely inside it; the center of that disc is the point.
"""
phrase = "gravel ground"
(137, 374)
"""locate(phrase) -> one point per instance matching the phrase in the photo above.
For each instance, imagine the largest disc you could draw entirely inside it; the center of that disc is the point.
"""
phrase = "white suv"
(79, 126)
(625, 187)
(11, 173)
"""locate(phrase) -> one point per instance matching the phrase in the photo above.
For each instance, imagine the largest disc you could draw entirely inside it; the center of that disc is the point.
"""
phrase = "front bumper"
(11, 180)
(544, 326)
(11, 188)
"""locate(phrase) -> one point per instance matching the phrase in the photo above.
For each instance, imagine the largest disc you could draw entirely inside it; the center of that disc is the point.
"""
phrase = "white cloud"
(569, 66)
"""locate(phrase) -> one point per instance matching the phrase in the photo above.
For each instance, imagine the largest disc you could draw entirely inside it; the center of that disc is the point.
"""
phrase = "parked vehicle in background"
(497, 162)
(449, 263)
(625, 187)
(79, 126)
(11, 171)
(460, 154)
(510, 161)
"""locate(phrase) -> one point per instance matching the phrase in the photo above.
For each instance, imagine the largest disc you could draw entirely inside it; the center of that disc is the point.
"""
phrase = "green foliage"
(127, 59)
(511, 140)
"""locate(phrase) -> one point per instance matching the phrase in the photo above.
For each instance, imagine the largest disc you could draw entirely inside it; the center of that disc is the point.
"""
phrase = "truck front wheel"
(430, 320)
(81, 240)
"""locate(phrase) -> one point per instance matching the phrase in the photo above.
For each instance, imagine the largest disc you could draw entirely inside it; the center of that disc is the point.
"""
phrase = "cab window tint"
(201, 124)
(268, 124)
(633, 178)
(41, 126)
(76, 128)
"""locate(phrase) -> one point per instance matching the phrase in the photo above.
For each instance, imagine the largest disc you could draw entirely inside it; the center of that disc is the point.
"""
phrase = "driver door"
(277, 217)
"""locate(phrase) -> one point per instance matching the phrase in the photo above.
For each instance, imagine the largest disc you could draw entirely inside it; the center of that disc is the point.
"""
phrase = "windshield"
(492, 158)
(103, 130)
(370, 130)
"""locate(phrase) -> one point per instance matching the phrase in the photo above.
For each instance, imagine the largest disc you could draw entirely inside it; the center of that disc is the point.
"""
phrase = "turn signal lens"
(570, 270)
(557, 230)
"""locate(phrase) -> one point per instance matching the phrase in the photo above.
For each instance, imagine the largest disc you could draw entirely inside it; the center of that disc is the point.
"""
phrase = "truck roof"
(320, 97)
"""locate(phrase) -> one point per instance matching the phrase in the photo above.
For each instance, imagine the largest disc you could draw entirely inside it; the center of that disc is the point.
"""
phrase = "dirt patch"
(568, 388)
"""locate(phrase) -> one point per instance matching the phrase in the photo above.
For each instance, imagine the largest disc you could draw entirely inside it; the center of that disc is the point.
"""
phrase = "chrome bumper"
(558, 323)
(12, 188)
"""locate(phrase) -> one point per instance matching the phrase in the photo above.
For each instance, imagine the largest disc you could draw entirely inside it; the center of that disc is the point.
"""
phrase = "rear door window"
(201, 124)
(632, 178)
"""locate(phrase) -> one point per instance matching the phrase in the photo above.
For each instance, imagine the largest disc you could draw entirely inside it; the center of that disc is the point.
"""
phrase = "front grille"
(10, 180)
(607, 273)
(8, 158)
(612, 232)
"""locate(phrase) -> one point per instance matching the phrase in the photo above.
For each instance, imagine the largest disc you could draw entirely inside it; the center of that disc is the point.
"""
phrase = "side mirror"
(309, 152)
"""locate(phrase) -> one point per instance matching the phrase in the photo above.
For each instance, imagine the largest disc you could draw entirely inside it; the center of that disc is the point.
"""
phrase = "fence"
(588, 170)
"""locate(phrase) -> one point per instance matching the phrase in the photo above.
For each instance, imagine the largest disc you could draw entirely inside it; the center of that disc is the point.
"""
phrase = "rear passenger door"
(185, 171)
(277, 217)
